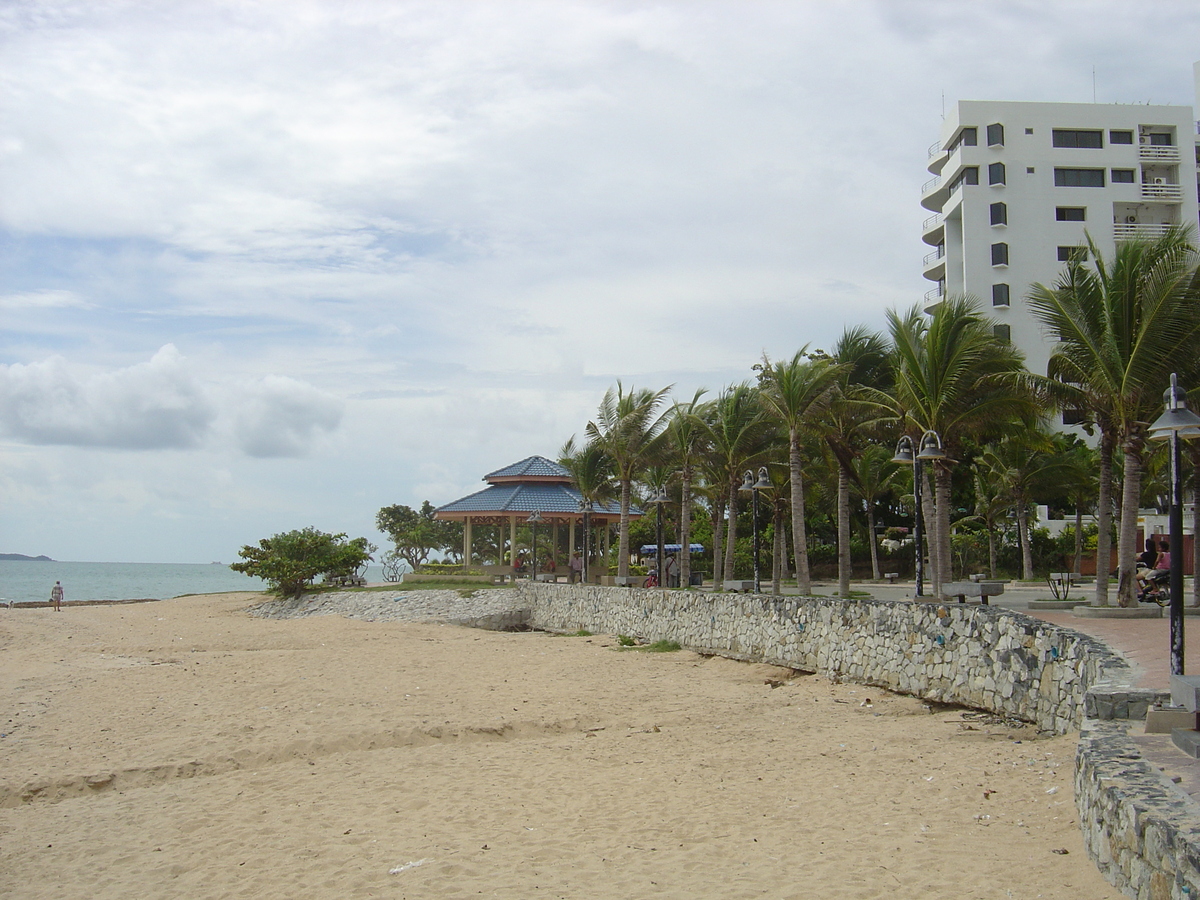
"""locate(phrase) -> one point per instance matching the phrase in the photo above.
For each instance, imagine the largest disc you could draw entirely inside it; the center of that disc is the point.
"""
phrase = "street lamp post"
(910, 455)
(1176, 422)
(660, 497)
(749, 484)
(585, 507)
(534, 518)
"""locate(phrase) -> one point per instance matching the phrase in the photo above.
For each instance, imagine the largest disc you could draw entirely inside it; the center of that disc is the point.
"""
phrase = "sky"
(266, 265)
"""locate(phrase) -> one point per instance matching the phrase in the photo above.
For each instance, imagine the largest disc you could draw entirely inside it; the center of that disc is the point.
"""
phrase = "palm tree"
(686, 445)
(874, 476)
(627, 427)
(738, 433)
(592, 473)
(1122, 327)
(864, 371)
(796, 393)
(954, 377)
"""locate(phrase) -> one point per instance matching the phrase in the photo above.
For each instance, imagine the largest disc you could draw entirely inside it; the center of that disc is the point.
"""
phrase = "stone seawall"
(978, 656)
(1141, 831)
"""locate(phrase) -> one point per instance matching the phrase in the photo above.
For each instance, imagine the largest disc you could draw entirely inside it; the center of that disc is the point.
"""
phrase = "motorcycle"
(1157, 588)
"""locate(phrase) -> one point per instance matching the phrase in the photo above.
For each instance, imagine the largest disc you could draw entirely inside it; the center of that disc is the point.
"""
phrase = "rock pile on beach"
(497, 608)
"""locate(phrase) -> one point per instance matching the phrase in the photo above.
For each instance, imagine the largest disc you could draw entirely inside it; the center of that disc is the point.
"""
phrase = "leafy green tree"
(416, 533)
(289, 562)
(685, 448)
(1122, 325)
(953, 376)
(795, 393)
(627, 427)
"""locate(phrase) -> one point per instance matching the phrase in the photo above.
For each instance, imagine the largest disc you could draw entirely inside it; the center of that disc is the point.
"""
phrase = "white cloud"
(281, 416)
(43, 299)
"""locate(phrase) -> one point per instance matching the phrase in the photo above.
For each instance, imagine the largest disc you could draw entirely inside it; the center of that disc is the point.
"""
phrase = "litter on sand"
(408, 865)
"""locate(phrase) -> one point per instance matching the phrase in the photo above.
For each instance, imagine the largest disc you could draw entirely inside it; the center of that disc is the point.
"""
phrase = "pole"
(756, 569)
(1176, 535)
(918, 527)
(584, 569)
(659, 535)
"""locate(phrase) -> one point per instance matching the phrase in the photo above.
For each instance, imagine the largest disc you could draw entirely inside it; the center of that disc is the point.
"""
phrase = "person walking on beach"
(56, 596)
(576, 568)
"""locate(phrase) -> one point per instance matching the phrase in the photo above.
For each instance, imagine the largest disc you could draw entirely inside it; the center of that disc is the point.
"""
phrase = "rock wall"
(978, 656)
(1141, 830)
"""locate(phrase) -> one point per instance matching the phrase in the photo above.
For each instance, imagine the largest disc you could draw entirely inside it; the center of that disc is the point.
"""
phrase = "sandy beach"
(185, 748)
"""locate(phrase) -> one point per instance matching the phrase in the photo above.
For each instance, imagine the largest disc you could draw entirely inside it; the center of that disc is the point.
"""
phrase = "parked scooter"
(1157, 588)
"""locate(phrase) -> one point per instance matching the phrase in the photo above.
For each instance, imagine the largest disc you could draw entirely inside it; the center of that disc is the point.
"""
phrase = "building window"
(1000, 254)
(999, 295)
(968, 137)
(1072, 416)
(1066, 254)
(996, 173)
(969, 175)
(1122, 176)
(1064, 137)
(1029, 131)
(995, 135)
(999, 214)
(1158, 139)
(1080, 177)
(1120, 137)
(1002, 332)
(1029, 170)
(1070, 213)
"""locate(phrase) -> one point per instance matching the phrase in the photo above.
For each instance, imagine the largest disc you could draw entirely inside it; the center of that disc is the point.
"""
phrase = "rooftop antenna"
(943, 104)
(1093, 84)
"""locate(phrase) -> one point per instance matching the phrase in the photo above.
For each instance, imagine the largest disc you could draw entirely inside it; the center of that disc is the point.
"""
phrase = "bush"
(289, 562)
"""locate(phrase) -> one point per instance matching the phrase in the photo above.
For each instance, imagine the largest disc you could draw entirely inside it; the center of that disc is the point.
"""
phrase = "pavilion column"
(571, 539)
(512, 540)
(467, 541)
(554, 541)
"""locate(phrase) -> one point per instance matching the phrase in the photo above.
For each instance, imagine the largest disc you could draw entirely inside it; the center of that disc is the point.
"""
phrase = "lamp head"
(747, 481)
(764, 480)
(904, 451)
(931, 446)
(1176, 417)
(535, 518)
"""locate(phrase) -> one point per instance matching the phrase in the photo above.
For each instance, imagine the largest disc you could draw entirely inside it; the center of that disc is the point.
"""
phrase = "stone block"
(1185, 692)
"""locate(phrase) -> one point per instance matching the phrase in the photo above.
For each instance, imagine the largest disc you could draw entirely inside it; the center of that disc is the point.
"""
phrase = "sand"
(186, 749)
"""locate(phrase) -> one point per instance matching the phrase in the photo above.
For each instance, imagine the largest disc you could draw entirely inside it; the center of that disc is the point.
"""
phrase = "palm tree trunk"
(718, 513)
(778, 551)
(991, 538)
(1104, 518)
(1195, 524)
(731, 535)
(1023, 539)
(1131, 490)
(875, 571)
(799, 534)
(843, 508)
(623, 531)
(685, 531)
(1078, 540)
(929, 511)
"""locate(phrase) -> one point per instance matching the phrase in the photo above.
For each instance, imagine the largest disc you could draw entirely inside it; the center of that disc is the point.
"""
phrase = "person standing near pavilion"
(56, 596)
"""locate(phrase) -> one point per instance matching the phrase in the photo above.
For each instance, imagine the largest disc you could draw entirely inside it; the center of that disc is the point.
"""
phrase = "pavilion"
(535, 484)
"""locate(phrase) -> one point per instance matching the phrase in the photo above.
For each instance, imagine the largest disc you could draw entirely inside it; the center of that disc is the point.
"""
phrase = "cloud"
(45, 299)
(282, 417)
(162, 404)
(152, 405)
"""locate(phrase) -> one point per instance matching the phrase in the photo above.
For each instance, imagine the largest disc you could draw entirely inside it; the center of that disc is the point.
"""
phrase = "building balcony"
(1125, 231)
(934, 194)
(933, 230)
(1161, 191)
(933, 299)
(1158, 153)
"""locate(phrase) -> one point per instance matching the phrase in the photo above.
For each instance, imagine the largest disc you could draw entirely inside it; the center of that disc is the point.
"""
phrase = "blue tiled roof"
(532, 466)
(525, 498)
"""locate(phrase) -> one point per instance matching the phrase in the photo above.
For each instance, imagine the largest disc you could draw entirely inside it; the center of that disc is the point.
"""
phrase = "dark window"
(999, 214)
(1029, 170)
(995, 135)
(999, 295)
(1029, 131)
(1069, 213)
(969, 137)
(1160, 140)
(996, 173)
(1068, 253)
(1120, 137)
(1063, 137)
(969, 175)
(1072, 417)
(1079, 178)
(999, 254)
(1002, 332)
(1122, 176)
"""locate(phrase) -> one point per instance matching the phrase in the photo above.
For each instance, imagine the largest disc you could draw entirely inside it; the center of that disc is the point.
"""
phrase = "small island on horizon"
(21, 557)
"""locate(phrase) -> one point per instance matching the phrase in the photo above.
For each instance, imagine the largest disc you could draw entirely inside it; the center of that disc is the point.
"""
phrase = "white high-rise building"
(1017, 185)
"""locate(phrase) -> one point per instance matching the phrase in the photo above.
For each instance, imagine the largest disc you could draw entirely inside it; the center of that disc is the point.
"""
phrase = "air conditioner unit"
(1131, 220)
(1160, 181)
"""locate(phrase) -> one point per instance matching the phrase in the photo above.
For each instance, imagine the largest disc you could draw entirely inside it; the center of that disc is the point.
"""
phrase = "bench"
(891, 577)
(741, 587)
(981, 589)
(1062, 582)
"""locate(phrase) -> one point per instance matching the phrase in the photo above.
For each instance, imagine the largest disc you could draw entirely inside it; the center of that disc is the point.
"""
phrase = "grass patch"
(626, 641)
(662, 647)
(582, 632)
